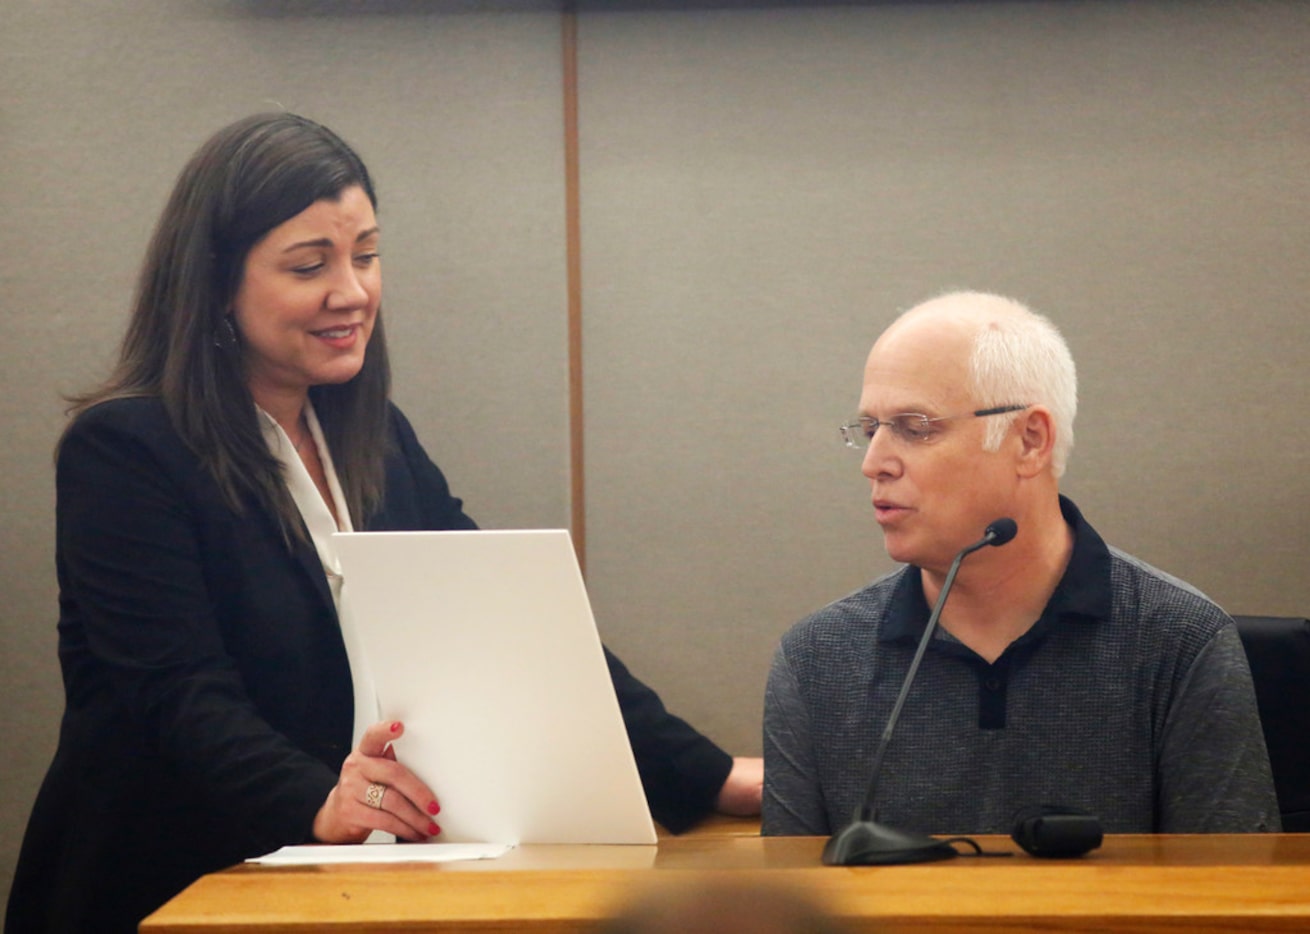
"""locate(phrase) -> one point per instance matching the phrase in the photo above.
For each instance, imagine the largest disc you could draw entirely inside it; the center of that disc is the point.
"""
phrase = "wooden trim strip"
(573, 235)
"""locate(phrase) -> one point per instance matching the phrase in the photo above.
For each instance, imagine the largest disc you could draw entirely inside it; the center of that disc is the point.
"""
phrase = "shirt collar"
(1083, 592)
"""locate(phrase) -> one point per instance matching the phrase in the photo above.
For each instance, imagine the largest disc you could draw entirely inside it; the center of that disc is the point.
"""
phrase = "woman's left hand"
(743, 789)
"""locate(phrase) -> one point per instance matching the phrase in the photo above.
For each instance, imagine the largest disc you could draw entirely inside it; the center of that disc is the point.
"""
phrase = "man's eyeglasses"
(909, 427)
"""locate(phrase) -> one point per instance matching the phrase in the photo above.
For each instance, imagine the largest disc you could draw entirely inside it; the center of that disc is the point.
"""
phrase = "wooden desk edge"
(1136, 883)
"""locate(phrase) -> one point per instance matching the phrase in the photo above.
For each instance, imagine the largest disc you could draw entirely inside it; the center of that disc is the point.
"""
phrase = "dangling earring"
(225, 336)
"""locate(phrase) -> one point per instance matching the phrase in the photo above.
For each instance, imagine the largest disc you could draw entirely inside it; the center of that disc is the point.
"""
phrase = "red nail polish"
(395, 727)
(433, 808)
(433, 829)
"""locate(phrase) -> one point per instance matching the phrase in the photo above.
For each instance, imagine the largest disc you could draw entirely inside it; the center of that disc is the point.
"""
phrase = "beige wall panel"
(762, 191)
(456, 113)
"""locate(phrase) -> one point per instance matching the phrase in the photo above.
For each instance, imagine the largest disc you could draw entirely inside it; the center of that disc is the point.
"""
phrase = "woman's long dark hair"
(181, 345)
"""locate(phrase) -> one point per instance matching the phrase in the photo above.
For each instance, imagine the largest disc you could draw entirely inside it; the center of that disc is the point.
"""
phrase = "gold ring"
(373, 796)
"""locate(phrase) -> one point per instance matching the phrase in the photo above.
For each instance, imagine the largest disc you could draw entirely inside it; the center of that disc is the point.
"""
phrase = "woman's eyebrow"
(327, 242)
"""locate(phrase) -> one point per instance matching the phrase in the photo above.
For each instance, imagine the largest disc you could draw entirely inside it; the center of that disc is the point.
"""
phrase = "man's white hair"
(1018, 357)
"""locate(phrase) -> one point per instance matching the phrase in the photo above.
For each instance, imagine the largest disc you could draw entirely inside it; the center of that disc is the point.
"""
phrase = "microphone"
(864, 841)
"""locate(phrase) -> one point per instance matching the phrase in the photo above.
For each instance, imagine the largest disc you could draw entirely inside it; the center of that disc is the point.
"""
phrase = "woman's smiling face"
(308, 299)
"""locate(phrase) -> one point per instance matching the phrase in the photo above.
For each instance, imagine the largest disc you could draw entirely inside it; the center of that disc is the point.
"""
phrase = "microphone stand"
(864, 841)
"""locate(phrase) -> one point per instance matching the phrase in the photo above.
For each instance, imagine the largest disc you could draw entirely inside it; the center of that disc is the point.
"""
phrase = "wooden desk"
(1133, 883)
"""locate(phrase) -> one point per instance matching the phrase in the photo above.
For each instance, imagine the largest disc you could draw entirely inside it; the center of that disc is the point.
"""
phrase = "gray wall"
(763, 187)
(763, 190)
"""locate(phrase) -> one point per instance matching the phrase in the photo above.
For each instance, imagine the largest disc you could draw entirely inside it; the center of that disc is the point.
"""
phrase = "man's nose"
(880, 457)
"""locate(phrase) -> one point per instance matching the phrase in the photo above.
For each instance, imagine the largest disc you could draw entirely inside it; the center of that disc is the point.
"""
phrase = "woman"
(215, 706)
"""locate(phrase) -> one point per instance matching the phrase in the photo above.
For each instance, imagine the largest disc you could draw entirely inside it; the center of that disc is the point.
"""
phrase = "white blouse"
(318, 520)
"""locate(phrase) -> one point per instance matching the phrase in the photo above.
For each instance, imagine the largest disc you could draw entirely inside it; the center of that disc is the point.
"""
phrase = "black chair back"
(1278, 649)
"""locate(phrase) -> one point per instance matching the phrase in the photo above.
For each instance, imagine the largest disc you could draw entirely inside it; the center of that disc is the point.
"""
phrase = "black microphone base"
(866, 843)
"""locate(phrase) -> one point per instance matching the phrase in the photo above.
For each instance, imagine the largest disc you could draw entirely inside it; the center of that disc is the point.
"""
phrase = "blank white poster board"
(483, 643)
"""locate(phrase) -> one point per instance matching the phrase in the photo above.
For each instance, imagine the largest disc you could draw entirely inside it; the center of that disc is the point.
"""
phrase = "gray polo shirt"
(1130, 697)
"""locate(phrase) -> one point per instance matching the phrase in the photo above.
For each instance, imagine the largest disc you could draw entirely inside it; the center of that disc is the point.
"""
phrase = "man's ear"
(1036, 429)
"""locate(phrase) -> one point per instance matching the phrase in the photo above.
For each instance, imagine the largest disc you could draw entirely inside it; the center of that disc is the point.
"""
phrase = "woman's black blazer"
(208, 694)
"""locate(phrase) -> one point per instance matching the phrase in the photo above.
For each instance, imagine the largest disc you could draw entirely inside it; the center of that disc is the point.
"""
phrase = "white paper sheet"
(322, 854)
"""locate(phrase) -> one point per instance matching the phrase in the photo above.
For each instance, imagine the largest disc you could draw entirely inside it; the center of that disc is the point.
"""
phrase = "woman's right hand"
(375, 792)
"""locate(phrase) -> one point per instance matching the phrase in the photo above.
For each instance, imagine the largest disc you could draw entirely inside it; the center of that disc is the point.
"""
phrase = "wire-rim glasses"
(909, 427)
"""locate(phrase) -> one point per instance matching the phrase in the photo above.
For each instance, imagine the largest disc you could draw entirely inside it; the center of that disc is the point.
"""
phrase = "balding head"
(1003, 353)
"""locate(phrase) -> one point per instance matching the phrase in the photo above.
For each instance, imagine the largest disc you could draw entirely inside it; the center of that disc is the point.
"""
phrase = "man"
(1064, 672)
